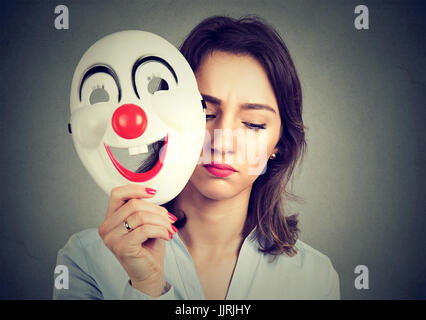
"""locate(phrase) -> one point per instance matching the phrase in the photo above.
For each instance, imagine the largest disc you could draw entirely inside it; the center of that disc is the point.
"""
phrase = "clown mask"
(125, 130)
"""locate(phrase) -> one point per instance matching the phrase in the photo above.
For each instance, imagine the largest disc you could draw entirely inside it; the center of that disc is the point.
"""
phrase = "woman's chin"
(218, 190)
(215, 188)
(217, 195)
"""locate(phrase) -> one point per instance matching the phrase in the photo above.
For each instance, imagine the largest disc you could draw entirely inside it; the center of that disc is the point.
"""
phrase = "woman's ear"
(273, 156)
(275, 150)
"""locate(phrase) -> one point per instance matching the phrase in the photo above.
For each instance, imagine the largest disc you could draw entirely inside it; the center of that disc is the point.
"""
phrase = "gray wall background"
(364, 103)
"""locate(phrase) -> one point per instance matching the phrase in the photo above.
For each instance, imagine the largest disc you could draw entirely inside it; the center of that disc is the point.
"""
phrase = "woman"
(226, 235)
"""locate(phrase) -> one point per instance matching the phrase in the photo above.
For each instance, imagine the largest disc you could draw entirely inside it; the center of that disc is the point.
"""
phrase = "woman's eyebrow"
(246, 106)
(211, 99)
(257, 106)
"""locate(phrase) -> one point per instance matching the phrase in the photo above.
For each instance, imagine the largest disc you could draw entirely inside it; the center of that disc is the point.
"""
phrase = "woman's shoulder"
(84, 238)
(86, 251)
(309, 261)
(312, 273)
(92, 269)
(307, 255)
(83, 246)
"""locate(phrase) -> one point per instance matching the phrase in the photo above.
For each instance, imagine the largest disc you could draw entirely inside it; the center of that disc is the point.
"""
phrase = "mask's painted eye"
(152, 76)
(157, 84)
(99, 95)
(99, 87)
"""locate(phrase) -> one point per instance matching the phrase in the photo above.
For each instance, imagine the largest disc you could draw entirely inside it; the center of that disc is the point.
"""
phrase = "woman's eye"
(252, 126)
(255, 126)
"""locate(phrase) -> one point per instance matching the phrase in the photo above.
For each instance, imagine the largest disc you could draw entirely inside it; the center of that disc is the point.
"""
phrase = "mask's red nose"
(129, 121)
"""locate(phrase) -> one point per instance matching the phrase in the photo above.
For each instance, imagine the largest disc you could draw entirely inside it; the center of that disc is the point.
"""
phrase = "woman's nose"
(223, 138)
(129, 121)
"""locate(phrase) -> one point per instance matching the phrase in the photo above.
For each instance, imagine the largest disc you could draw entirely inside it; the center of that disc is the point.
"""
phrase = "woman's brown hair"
(276, 232)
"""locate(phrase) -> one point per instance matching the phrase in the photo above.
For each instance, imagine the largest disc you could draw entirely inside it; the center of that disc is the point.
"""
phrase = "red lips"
(219, 169)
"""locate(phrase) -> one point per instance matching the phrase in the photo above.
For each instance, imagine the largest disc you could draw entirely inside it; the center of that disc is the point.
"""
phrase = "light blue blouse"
(95, 273)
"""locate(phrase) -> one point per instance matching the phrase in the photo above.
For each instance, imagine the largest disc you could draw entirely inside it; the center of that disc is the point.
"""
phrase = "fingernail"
(172, 217)
(174, 229)
(150, 191)
(170, 235)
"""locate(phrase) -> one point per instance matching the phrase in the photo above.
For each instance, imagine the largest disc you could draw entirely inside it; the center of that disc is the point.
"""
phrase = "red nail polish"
(150, 191)
(170, 235)
(172, 217)
(174, 229)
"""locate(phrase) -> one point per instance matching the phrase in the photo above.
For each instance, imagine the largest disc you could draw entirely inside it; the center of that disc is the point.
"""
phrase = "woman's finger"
(122, 194)
(140, 218)
(143, 233)
(134, 221)
(129, 244)
(131, 207)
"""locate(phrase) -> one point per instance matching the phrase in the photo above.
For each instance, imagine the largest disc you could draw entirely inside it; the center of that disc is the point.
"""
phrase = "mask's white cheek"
(89, 125)
(178, 108)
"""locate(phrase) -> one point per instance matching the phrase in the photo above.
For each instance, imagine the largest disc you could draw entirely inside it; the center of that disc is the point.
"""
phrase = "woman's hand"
(141, 249)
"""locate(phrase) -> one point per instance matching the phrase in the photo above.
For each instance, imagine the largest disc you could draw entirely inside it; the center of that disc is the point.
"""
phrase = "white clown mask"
(117, 117)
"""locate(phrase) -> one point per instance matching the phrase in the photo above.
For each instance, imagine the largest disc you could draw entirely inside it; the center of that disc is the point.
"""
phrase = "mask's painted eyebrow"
(100, 68)
(246, 106)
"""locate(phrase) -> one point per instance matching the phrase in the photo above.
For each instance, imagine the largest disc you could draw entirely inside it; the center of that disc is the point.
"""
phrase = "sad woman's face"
(242, 124)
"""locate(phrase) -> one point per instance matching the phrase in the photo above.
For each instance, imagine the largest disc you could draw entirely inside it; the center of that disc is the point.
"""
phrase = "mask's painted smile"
(151, 170)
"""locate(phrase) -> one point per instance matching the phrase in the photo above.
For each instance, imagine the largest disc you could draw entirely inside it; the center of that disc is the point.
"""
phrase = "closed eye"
(250, 125)
(255, 126)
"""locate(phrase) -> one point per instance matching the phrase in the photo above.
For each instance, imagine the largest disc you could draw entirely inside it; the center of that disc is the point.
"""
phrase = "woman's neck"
(213, 227)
